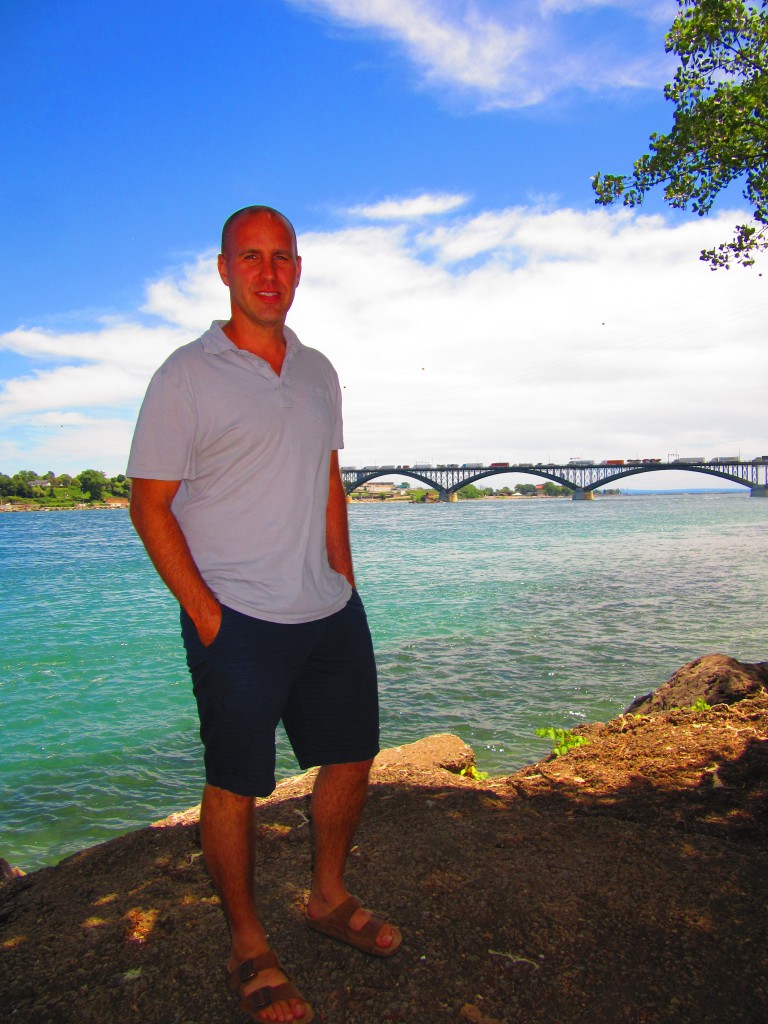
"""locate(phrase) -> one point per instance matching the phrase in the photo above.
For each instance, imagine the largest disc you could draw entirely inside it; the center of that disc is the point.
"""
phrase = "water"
(490, 619)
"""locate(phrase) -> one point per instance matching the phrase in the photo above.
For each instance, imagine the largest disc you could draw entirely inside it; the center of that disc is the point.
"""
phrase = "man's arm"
(166, 545)
(337, 525)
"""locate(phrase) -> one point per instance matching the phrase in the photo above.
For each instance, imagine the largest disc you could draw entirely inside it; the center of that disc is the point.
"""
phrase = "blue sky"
(435, 158)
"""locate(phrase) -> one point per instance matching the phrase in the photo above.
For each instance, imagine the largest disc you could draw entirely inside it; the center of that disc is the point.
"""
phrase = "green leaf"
(720, 131)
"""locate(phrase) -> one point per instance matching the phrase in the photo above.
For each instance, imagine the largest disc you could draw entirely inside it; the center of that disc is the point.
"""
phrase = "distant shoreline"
(406, 501)
(63, 508)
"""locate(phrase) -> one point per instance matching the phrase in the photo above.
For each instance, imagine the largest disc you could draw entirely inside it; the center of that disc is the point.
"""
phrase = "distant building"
(379, 487)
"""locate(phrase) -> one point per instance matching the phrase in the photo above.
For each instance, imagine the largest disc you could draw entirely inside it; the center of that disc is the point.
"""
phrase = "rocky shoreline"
(626, 881)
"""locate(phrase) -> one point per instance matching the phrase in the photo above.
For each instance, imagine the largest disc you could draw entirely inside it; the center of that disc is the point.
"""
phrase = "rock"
(8, 871)
(188, 817)
(715, 678)
(442, 751)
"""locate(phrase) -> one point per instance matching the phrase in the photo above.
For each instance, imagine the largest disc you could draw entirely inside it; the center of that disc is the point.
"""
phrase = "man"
(238, 499)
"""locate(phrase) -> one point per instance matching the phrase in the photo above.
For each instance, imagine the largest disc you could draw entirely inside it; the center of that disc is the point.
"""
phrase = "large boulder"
(444, 751)
(715, 678)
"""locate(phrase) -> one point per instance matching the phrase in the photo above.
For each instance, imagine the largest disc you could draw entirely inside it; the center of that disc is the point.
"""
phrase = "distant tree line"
(91, 485)
(551, 489)
(470, 492)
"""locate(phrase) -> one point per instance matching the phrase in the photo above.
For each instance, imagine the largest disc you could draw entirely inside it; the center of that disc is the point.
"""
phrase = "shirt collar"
(292, 344)
(215, 341)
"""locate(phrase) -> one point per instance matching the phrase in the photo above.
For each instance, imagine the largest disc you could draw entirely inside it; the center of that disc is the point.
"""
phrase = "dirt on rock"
(625, 882)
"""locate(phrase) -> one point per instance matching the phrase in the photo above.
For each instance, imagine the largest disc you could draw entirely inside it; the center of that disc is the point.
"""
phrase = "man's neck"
(265, 341)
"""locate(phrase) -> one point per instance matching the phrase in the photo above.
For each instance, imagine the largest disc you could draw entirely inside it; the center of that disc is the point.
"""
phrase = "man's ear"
(221, 263)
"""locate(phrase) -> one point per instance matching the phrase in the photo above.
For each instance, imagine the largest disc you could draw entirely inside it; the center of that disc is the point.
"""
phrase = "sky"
(435, 157)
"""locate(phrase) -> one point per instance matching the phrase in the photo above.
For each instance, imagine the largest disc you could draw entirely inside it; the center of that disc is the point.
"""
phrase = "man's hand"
(208, 628)
(166, 545)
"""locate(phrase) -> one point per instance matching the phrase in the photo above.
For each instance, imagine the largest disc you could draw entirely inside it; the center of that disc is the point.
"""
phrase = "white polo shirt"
(252, 452)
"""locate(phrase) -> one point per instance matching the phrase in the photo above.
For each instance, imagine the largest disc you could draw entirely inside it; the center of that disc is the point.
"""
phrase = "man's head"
(249, 211)
(260, 266)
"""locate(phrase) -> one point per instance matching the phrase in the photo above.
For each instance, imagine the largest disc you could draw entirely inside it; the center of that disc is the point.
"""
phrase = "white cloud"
(471, 49)
(424, 205)
(76, 402)
(522, 334)
(187, 299)
(514, 55)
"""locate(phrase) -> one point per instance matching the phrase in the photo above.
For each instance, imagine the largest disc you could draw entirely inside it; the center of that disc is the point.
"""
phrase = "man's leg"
(227, 833)
(337, 803)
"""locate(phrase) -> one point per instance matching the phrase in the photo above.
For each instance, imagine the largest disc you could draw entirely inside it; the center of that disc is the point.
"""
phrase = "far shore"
(60, 508)
(395, 500)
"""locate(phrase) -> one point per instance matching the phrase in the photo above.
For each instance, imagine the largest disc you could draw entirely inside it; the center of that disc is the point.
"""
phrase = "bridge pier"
(447, 496)
(581, 495)
(759, 491)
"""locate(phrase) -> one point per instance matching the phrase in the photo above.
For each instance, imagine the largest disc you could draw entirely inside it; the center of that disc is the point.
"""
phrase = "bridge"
(583, 477)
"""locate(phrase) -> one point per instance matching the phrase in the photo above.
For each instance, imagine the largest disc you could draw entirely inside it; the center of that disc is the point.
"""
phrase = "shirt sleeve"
(163, 442)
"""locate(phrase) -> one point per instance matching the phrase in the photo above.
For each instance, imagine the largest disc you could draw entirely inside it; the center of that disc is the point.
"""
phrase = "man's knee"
(217, 800)
(350, 771)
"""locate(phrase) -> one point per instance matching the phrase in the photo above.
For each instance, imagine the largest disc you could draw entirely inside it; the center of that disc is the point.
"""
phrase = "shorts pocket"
(225, 611)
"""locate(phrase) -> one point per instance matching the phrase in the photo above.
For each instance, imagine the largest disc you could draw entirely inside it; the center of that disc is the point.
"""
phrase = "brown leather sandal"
(337, 926)
(260, 998)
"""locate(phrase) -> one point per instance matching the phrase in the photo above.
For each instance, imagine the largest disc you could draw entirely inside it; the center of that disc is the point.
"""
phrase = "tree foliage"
(553, 490)
(720, 125)
(93, 482)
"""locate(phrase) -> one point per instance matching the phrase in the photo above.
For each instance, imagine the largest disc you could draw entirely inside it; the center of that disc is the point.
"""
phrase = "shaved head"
(249, 211)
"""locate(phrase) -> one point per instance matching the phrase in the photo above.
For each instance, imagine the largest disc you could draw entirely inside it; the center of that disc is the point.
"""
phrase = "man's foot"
(265, 991)
(364, 929)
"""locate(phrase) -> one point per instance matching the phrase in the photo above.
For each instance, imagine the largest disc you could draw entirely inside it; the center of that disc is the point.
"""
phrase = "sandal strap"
(370, 930)
(248, 969)
(336, 924)
(263, 997)
(257, 1000)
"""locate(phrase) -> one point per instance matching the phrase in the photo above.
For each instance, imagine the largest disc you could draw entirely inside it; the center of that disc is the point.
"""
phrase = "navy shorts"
(318, 677)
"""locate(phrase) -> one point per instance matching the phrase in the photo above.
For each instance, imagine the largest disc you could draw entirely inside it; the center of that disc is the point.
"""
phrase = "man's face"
(261, 268)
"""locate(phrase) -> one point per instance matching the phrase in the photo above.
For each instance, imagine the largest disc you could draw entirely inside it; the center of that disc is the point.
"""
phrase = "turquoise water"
(490, 620)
